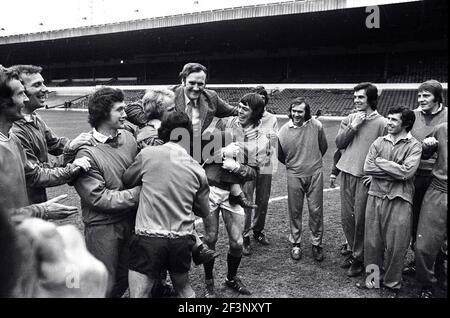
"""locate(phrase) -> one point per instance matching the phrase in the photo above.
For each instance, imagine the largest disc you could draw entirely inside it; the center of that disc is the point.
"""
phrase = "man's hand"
(430, 142)
(56, 263)
(230, 151)
(82, 139)
(358, 119)
(367, 180)
(230, 164)
(56, 211)
(83, 163)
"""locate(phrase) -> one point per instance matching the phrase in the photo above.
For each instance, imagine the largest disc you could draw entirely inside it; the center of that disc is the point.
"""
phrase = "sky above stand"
(29, 16)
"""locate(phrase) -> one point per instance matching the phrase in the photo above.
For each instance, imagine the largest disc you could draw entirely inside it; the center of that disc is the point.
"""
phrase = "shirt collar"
(30, 118)
(3, 137)
(433, 113)
(390, 138)
(291, 123)
(102, 138)
(372, 115)
(187, 100)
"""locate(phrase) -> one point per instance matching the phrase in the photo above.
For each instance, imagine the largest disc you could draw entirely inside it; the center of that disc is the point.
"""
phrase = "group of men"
(140, 223)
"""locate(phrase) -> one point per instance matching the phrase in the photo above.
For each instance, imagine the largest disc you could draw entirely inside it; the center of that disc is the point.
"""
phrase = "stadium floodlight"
(121, 61)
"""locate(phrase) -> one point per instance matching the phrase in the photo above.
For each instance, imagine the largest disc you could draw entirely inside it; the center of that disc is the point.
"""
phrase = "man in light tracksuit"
(356, 133)
(390, 166)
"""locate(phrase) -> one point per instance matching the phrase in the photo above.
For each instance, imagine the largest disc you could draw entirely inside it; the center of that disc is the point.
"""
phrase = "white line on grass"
(284, 197)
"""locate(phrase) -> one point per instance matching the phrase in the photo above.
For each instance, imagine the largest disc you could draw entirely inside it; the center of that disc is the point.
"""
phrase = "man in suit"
(193, 98)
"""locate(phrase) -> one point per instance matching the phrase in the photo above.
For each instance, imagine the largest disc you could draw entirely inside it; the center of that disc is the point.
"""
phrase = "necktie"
(195, 117)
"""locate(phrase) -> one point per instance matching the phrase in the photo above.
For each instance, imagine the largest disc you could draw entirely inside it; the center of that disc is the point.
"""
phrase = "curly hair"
(26, 69)
(257, 104)
(100, 104)
(156, 101)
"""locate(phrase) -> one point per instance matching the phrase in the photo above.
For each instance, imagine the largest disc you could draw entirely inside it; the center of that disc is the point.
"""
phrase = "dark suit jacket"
(209, 103)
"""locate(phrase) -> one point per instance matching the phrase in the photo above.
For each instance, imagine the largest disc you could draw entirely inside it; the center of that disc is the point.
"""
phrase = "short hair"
(407, 116)
(172, 121)
(26, 69)
(256, 104)
(100, 104)
(6, 93)
(298, 101)
(158, 99)
(192, 68)
(262, 91)
(434, 87)
(371, 93)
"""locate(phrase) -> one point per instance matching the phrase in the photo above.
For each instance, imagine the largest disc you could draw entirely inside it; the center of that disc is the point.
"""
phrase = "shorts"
(150, 255)
(218, 198)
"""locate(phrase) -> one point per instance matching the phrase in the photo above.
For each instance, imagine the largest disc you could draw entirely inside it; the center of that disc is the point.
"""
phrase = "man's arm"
(201, 200)
(91, 187)
(281, 154)
(345, 134)
(370, 167)
(405, 170)
(135, 114)
(133, 175)
(323, 144)
(224, 109)
(56, 145)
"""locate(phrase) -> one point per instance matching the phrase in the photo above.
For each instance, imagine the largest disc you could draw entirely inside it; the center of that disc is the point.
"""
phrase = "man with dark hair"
(38, 140)
(193, 98)
(356, 133)
(252, 146)
(432, 227)
(390, 165)
(108, 207)
(15, 171)
(262, 184)
(164, 222)
(301, 146)
(430, 113)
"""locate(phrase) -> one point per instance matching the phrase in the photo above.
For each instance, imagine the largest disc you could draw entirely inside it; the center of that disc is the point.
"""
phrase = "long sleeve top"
(424, 126)
(13, 180)
(301, 148)
(38, 140)
(355, 143)
(174, 188)
(440, 167)
(392, 166)
(104, 198)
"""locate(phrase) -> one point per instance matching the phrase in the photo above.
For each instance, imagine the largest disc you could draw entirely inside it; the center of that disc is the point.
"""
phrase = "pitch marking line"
(284, 197)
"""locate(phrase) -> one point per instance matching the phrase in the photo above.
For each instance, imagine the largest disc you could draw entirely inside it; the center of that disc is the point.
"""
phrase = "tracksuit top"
(440, 168)
(104, 198)
(174, 188)
(393, 176)
(301, 148)
(355, 143)
(424, 126)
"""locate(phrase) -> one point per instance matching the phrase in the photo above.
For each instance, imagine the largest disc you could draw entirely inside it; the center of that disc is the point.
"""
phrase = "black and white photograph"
(250, 151)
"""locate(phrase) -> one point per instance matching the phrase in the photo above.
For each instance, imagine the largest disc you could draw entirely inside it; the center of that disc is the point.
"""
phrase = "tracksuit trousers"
(263, 185)
(312, 187)
(431, 234)
(388, 231)
(353, 210)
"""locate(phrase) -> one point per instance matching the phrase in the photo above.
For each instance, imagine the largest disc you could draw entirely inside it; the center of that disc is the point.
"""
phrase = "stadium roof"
(247, 12)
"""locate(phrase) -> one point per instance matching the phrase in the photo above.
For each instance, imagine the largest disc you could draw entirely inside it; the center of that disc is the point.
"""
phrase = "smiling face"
(35, 90)
(117, 116)
(298, 114)
(427, 101)
(244, 113)
(19, 97)
(394, 124)
(194, 84)
(360, 100)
